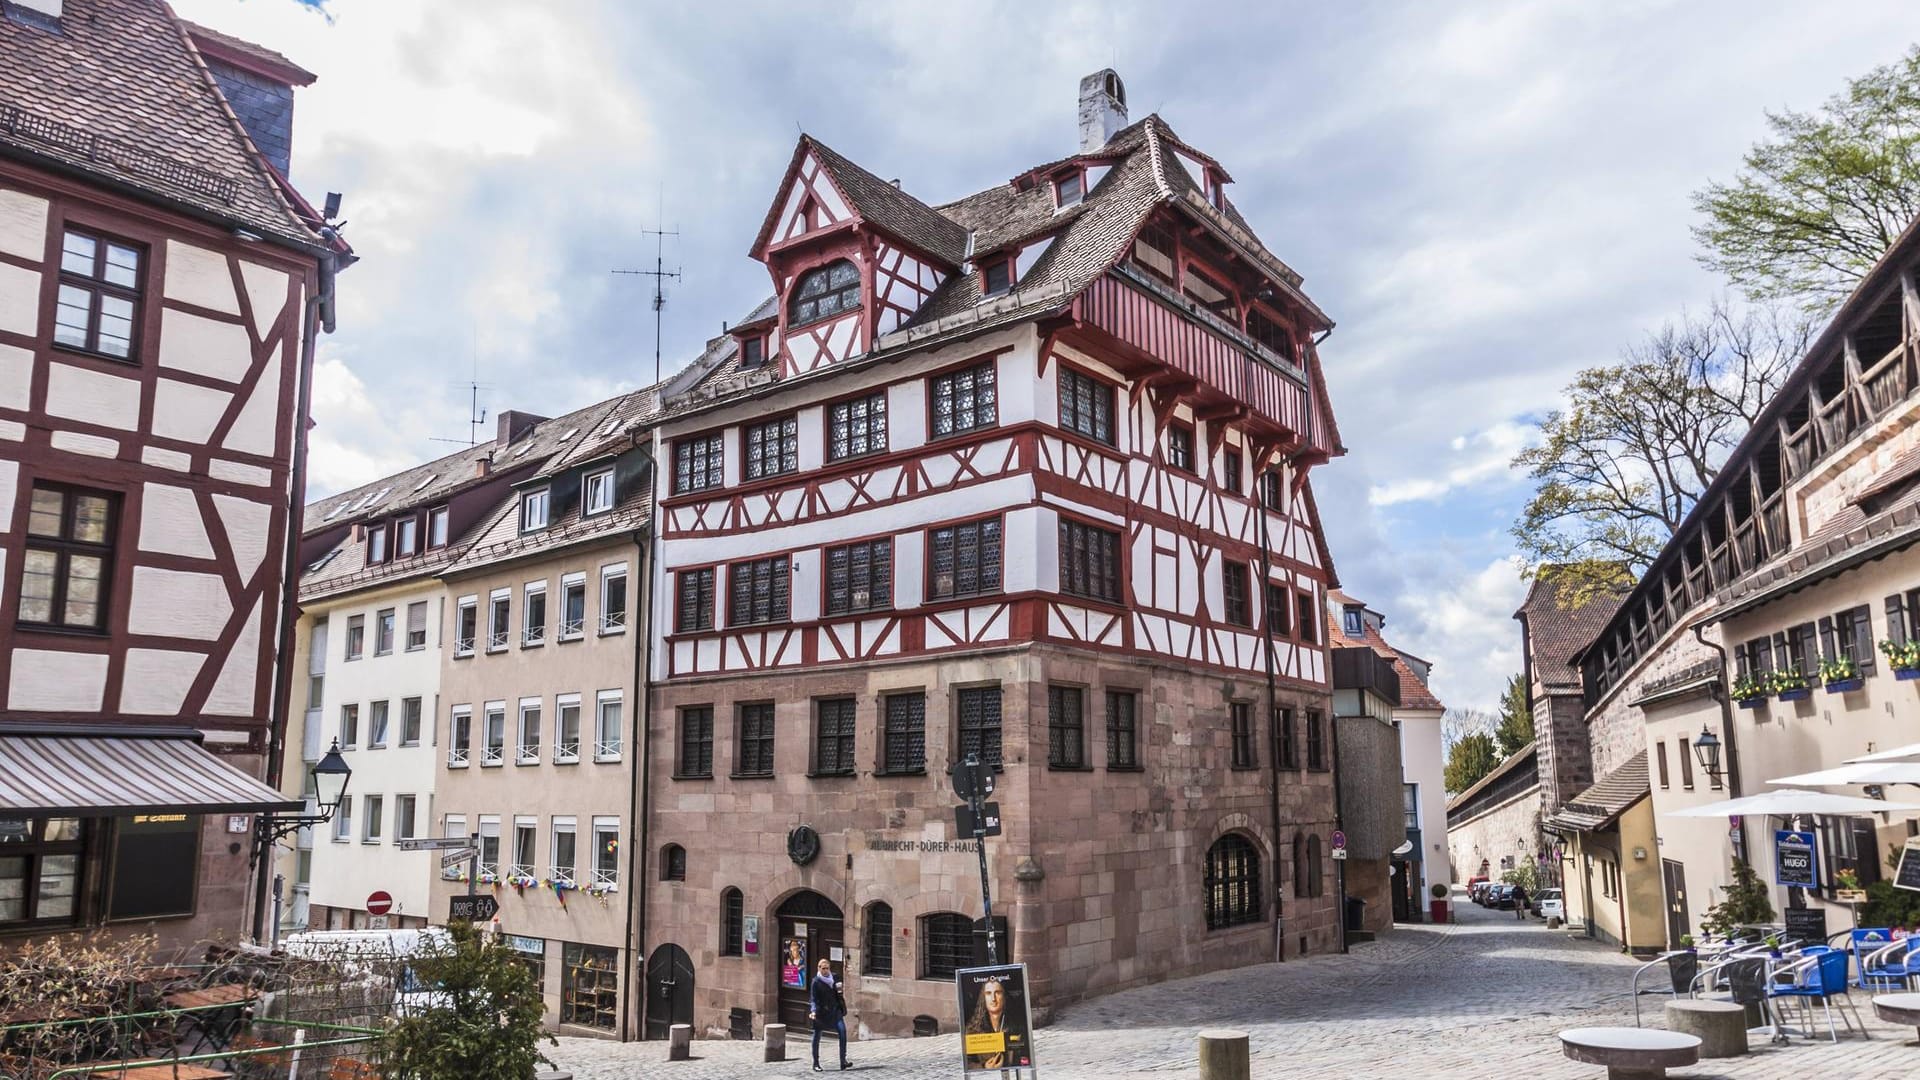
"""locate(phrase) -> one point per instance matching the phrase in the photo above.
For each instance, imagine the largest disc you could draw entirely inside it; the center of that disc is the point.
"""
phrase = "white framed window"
(455, 825)
(373, 808)
(525, 828)
(466, 625)
(437, 527)
(573, 606)
(599, 492)
(527, 747)
(564, 858)
(349, 726)
(343, 822)
(493, 749)
(377, 543)
(613, 599)
(416, 626)
(533, 510)
(459, 736)
(566, 729)
(406, 815)
(533, 614)
(406, 535)
(489, 846)
(606, 726)
(606, 852)
(499, 619)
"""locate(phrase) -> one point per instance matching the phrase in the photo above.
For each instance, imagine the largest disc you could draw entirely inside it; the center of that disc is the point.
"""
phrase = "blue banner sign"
(1793, 859)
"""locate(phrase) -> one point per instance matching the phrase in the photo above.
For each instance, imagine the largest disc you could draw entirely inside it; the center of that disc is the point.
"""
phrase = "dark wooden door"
(1679, 922)
(669, 990)
(813, 923)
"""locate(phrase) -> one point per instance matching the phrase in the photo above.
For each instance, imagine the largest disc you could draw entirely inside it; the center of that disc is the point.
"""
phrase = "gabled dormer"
(851, 255)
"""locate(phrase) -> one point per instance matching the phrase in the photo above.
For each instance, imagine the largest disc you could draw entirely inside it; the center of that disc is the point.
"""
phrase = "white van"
(374, 954)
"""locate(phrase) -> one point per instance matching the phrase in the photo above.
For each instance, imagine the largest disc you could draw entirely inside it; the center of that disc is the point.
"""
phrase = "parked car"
(1477, 891)
(1502, 898)
(1551, 905)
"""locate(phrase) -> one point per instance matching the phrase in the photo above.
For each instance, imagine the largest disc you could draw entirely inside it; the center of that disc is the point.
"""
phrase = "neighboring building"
(542, 702)
(1416, 714)
(161, 289)
(1801, 552)
(1366, 690)
(1021, 476)
(1494, 826)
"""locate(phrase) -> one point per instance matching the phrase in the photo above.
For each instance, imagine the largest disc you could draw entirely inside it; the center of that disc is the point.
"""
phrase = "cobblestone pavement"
(1479, 998)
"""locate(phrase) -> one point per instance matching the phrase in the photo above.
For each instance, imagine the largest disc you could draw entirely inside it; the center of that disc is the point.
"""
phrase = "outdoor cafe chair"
(1891, 966)
(1819, 974)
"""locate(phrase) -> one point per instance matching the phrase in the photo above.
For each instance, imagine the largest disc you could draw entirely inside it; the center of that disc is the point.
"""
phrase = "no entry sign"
(379, 903)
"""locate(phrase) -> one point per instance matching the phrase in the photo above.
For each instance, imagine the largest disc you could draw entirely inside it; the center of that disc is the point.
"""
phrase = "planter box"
(1801, 694)
(1842, 686)
(1753, 702)
(1906, 674)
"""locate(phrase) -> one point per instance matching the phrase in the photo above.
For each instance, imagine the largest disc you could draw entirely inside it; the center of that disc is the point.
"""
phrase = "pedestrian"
(827, 1008)
(1519, 901)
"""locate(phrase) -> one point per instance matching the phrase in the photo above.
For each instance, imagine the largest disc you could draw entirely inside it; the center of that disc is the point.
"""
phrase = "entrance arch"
(811, 929)
(669, 990)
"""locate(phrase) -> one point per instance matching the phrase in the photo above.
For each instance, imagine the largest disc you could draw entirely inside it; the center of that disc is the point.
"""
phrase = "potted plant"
(1788, 684)
(1841, 674)
(1683, 965)
(1437, 907)
(1904, 658)
(1751, 690)
(1846, 887)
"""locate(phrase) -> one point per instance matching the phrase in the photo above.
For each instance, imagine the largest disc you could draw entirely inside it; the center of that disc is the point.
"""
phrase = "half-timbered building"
(1022, 476)
(161, 288)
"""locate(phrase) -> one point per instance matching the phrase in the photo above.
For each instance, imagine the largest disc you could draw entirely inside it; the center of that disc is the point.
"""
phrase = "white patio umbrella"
(1788, 802)
(1865, 772)
(1909, 752)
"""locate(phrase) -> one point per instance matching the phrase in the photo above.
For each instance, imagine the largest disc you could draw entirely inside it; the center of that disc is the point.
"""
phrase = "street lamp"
(330, 775)
(1706, 749)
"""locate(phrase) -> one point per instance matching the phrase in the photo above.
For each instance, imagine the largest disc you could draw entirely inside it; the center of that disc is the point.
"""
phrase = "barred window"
(1066, 727)
(1316, 742)
(1089, 561)
(1240, 718)
(1123, 748)
(833, 737)
(905, 737)
(1232, 882)
(966, 559)
(759, 591)
(860, 576)
(1086, 405)
(857, 426)
(980, 723)
(772, 447)
(947, 942)
(696, 741)
(1279, 612)
(878, 957)
(756, 740)
(1180, 447)
(964, 400)
(1233, 586)
(1283, 731)
(695, 608)
(733, 910)
(822, 293)
(697, 463)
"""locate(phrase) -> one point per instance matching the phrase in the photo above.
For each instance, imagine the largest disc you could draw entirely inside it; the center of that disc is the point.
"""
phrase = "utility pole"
(659, 274)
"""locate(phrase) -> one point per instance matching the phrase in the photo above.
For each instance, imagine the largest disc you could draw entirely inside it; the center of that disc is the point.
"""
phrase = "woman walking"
(827, 1008)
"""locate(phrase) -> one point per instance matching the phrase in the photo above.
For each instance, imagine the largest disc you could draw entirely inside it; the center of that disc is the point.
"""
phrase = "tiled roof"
(500, 539)
(1558, 628)
(889, 208)
(1900, 474)
(1414, 693)
(1609, 797)
(119, 92)
(259, 54)
(344, 568)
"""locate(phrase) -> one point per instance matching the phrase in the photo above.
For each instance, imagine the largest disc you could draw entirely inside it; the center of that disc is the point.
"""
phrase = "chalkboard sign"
(1907, 876)
(1809, 925)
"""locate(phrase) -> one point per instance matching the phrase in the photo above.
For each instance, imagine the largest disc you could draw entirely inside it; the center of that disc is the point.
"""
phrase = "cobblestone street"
(1480, 998)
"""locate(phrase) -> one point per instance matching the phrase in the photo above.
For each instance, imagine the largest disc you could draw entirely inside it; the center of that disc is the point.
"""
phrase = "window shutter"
(1826, 639)
(1862, 638)
(1896, 620)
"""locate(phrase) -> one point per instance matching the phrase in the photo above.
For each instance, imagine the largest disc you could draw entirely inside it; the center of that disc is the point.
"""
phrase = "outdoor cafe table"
(1903, 1009)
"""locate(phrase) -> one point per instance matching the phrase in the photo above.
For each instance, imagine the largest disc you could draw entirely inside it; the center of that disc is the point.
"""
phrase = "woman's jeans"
(840, 1026)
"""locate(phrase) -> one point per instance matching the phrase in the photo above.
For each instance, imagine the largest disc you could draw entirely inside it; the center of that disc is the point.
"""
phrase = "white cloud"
(1464, 624)
(1488, 455)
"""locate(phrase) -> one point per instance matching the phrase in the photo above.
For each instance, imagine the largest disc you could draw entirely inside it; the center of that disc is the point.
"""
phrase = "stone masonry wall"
(1510, 829)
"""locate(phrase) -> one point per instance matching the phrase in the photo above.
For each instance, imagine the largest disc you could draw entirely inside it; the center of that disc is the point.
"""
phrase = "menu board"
(1907, 875)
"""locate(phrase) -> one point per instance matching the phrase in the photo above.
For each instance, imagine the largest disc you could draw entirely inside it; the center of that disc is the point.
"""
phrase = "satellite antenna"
(659, 274)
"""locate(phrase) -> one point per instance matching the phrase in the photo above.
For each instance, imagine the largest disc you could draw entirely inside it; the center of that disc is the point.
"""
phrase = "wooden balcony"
(1360, 668)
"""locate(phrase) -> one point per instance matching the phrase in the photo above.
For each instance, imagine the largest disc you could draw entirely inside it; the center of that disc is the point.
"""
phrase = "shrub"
(1746, 904)
(481, 1017)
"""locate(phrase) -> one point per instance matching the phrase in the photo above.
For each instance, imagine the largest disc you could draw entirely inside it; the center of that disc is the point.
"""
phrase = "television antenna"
(659, 274)
(476, 413)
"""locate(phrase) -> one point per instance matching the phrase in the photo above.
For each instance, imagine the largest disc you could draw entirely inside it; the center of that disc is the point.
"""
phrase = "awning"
(1909, 752)
(46, 769)
(1789, 802)
(1862, 772)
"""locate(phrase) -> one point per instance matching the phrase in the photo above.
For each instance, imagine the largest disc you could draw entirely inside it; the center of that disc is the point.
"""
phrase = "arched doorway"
(669, 990)
(810, 930)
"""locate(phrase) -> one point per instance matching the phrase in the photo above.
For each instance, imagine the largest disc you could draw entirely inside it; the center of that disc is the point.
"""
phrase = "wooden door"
(810, 929)
(1679, 922)
(669, 990)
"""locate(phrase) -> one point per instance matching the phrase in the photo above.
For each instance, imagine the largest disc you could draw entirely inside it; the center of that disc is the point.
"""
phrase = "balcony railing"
(497, 640)
(457, 758)
(528, 755)
(606, 879)
(1360, 668)
(606, 751)
(493, 755)
(567, 751)
(463, 646)
(572, 628)
(534, 635)
(613, 622)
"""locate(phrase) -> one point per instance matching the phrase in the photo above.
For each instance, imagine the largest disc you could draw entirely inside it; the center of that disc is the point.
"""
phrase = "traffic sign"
(970, 781)
(455, 857)
(434, 843)
(473, 909)
(1339, 854)
(1338, 841)
(380, 902)
(989, 818)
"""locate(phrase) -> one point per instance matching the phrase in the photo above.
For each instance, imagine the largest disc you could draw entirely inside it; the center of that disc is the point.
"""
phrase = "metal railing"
(567, 751)
(528, 754)
(119, 153)
(457, 757)
(606, 751)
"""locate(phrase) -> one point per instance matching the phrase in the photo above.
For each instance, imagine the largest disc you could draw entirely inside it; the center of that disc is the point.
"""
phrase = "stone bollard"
(680, 1042)
(776, 1042)
(1224, 1055)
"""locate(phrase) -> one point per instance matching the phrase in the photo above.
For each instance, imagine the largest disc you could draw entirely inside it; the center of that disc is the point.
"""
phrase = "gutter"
(1728, 740)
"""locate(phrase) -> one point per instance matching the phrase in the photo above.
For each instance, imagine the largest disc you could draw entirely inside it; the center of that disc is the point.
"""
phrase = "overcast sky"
(1484, 196)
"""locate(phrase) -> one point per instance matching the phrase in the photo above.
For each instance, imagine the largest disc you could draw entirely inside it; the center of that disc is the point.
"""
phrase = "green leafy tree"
(1470, 758)
(1746, 904)
(1818, 200)
(481, 1017)
(1516, 719)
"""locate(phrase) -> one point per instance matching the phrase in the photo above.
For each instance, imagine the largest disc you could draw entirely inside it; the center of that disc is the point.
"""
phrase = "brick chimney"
(513, 425)
(1103, 109)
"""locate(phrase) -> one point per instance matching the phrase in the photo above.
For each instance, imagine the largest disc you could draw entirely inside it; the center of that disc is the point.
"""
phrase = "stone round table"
(1902, 1009)
(1630, 1053)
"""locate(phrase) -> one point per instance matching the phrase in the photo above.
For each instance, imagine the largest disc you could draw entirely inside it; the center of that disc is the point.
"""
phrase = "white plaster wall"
(1020, 386)
(16, 377)
(1423, 762)
(906, 416)
(19, 299)
(199, 277)
(812, 436)
(23, 224)
(170, 523)
(187, 412)
(204, 346)
(804, 599)
(156, 681)
(57, 681)
(94, 396)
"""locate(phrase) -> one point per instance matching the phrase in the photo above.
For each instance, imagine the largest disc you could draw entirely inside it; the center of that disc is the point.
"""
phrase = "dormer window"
(1068, 189)
(753, 350)
(377, 543)
(437, 527)
(823, 293)
(1216, 192)
(1354, 627)
(599, 487)
(406, 536)
(996, 277)
(533, 510)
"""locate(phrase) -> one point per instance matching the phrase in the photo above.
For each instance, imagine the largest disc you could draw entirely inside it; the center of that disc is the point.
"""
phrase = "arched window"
(673, 863)
(946, 945)
(879, 952)
(1232, 882)
(1313, 865)
(823, 292)
(1300, 866)
(732, 919)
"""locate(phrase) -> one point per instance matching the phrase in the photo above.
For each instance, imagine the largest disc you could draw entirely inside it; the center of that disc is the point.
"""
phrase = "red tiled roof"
(1414, 694)
(1558, 629)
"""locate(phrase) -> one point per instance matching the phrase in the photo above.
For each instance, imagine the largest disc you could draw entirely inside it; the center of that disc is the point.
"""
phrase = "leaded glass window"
(759, 591)
(980, 723)
(905, 736)
(857, 426)
(966, 559)
(824, 292)
(964, 400)
(860, 577)
(833, 742)
(772, 447)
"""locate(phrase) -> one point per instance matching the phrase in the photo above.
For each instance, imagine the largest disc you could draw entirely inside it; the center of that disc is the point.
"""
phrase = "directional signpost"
(455, 850)
(434, 843)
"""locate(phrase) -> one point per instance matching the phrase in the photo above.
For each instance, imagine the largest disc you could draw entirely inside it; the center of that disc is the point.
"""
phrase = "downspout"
(1273, 719)
(1339, 823)
(639, 791)
(319, 309)
(1730, 742)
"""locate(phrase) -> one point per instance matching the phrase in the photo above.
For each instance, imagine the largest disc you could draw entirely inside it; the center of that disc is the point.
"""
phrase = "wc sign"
(1793, 860)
